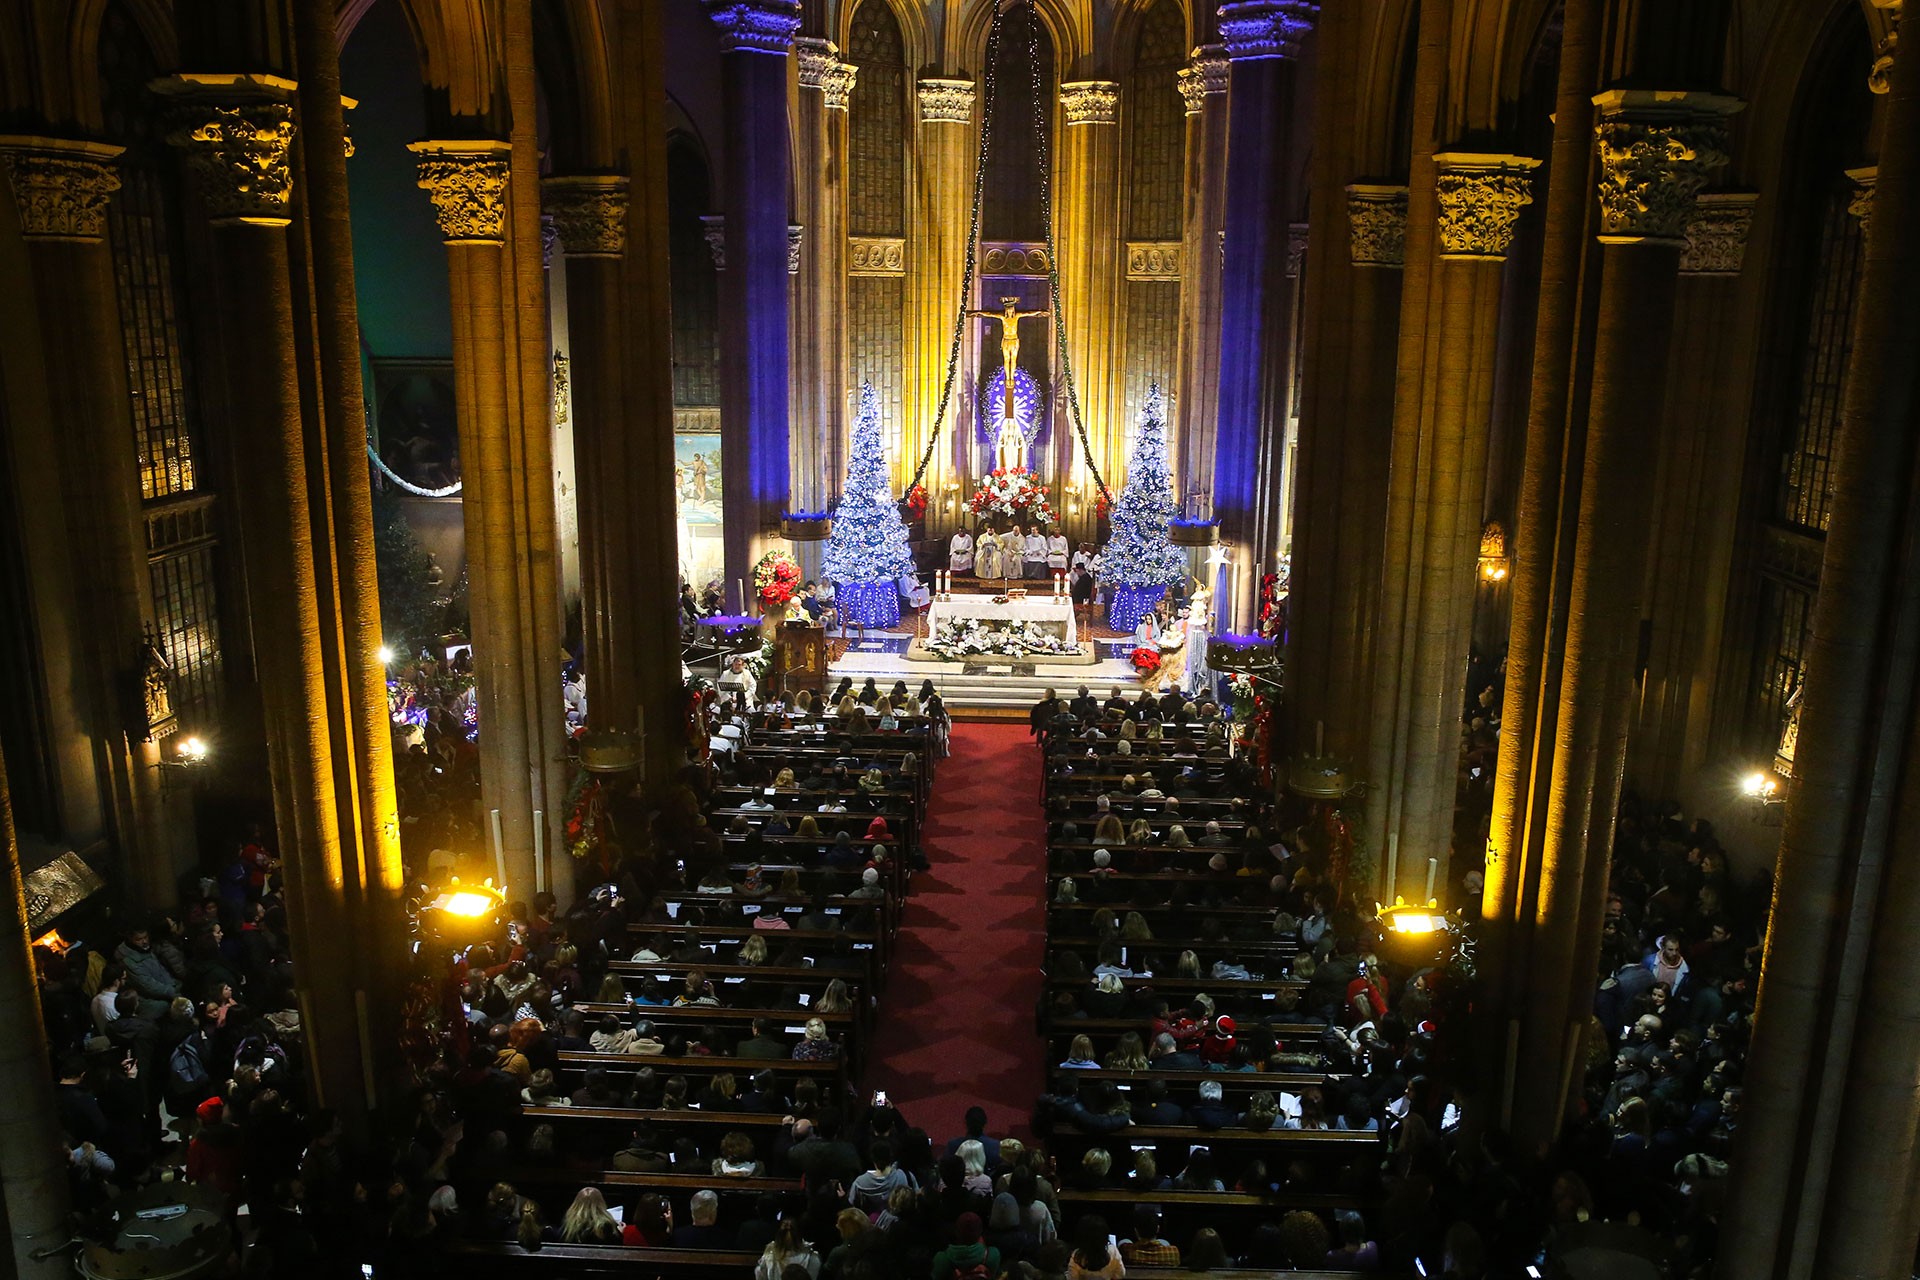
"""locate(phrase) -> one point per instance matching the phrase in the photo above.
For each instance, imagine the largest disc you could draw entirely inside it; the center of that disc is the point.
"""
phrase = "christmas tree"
(868, 547)
(1138, 557)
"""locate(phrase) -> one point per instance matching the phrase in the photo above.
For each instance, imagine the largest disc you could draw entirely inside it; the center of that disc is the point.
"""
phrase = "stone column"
(1438, 479)
(944, 153)
(33, 1177)
(1086, 232)
(1196, 387)
(1262, 41)
(820, 290)
(468, 182)
(237, 132)
(1655, 152)
(755, 36)
(62, 187)
(1838, 993)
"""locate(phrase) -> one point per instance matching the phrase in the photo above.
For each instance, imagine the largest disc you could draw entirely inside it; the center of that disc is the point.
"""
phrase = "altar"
(1044, 611)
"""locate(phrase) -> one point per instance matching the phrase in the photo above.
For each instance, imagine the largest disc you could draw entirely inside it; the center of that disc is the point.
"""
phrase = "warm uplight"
(466, 903)
(1413, 920)
(52, 941)
(1760, 786)
(193, 749)
(385, 654)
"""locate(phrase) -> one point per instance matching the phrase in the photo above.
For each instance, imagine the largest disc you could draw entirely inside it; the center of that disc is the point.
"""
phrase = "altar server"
(1056, 552)
(1034, 554)
(960, 553)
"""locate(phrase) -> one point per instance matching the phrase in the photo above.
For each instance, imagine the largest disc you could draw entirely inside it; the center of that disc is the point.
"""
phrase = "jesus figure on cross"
(1010, 448)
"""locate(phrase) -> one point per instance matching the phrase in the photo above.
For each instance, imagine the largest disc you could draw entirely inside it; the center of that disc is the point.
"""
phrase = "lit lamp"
(1412, 934)
(463, 912)
(1493, 552)
(385, 654)
(1763, 791)
(189, 752)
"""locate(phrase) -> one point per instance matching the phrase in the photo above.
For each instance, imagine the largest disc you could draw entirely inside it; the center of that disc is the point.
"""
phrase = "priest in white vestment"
(987, 562)
(960, 553)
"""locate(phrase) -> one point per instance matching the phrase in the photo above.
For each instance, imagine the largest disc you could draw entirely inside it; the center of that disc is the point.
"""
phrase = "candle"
(1433, 869)
(499, 856)
(1393, 864)
(539, 855)
(741, 584)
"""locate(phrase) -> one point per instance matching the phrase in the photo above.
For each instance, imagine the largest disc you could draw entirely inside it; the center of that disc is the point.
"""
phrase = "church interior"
(1090, 638)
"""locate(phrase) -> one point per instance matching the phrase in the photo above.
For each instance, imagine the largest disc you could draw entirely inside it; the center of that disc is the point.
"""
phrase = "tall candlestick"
(539, 855)
(1393, 864)
(1433, 869)
(499, 856)
(741, 585)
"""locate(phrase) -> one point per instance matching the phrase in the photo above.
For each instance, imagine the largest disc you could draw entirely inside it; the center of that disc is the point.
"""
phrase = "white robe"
(960, 553)
(987, 563)
(1056, 552)
(1013, 547)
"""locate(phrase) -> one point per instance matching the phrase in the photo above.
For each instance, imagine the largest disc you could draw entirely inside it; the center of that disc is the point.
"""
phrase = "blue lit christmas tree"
(868, 547)
(1138, 559)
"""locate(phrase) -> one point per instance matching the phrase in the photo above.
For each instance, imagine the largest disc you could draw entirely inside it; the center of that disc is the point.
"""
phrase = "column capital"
(61, 185)
(1376, 225)
(1480, 198)
(1296, 249)
(1090, 101)
(237, 134)
(589, 213)
(796, 236)
(755, 26)
(1889, 46)
(1657, 150)
(821, 68)
(1861, 205)
(713, 229)
(1717, 233)
(1251, 30)
(467, 181)
(946, 101)
(1204, 74)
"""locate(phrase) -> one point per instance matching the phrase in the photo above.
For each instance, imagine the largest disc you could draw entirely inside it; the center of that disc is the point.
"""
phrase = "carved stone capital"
(1153, 259)
(755, 26)
(1717, 233)
(1013, 258)
(713, 229)
(1657, 151)
(1376, 225)
(1889, 46)
(236, 131)
(1255, 29)
(796, 236)
(467, 182)
(1296, 249)
(1480, 198)
(876, 256)
(589, 212)
(821, 68)
(1861, 205)
(1204, 75)
(60, 185)
(1090, 102)
(946, 101)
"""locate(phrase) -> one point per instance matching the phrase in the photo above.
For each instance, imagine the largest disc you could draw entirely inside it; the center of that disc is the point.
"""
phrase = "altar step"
(991, 684)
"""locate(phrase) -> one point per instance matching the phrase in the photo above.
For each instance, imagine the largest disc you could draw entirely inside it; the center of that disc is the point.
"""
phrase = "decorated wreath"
(914, 505)
(586, 815)
(775, 579)
(1011, 493)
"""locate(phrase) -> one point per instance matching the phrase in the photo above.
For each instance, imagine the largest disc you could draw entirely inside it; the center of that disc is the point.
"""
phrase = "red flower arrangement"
(915, 502)
(1011, 493)
(1145, 660)
(775, 579)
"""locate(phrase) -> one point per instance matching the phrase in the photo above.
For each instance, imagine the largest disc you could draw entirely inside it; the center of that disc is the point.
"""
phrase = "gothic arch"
(1129, 21)
(571, 54)
(1066, 23)
(1388, 50)
(155, 21)
(915, 38)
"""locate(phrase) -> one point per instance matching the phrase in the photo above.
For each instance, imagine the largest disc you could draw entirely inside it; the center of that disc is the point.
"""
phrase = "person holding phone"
(1096, 1253)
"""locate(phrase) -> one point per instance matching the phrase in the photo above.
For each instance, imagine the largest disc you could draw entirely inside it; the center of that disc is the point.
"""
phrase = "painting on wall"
(696, 487)
(414, 421)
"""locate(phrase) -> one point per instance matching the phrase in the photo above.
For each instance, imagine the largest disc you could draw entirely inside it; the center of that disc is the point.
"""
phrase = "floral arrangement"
(1145, 660)
(1011, 493)
(915, 503)
(775, 579)
(964, 636)
(586, 813)
(1102, 504)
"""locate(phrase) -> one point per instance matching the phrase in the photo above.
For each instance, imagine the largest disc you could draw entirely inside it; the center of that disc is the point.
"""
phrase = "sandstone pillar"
(1843, 886)
(62, 188)
(945, 147)
(755, 37)
(1196, 386)
(820, 289)
(1262, 40)
(1086, 234)
(1438, 479)
(506, 503)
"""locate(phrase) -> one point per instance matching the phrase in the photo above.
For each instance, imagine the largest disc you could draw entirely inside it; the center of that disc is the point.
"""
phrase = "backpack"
(186, 1073)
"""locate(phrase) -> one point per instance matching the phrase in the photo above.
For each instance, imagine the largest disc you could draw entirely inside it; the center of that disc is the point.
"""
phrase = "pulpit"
(800, 657)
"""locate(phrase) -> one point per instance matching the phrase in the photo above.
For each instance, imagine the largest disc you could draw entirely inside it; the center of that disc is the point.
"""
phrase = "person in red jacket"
(1367, 993)
(214, 1155)
(1217, 1045)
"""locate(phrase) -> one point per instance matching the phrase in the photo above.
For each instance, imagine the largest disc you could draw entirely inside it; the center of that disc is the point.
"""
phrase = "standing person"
(960, 553)
(987, 560)
(1056, 552)
(1034, 553)
(1013, 550)
(1041, 714)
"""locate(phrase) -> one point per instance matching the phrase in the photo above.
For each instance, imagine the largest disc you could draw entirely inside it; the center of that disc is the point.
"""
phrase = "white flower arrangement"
(963, 637)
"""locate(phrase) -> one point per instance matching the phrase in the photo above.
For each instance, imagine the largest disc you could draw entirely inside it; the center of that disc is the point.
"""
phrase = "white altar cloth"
(1042, 609)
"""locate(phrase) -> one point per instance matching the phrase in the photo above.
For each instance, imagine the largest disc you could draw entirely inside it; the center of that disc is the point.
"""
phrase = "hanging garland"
(408, 485)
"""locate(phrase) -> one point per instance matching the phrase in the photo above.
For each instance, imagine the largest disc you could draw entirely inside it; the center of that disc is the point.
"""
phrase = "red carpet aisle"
(956, 1023)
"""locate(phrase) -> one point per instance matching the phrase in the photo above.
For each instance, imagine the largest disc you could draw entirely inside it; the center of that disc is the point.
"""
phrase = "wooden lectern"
(800, 657)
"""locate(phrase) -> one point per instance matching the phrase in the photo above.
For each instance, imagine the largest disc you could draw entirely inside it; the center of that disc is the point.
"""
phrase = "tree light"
(385, 654)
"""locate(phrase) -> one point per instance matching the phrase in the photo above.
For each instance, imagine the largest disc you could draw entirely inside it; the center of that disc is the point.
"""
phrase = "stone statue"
(1010, 447)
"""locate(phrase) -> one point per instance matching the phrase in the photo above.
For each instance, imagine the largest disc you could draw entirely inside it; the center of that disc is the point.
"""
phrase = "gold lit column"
(61, 188)
(1438, 477)
(468, 182)
(237, 133)
(1086, 234)
(944, 143)
(1196, 388)
(820, 288)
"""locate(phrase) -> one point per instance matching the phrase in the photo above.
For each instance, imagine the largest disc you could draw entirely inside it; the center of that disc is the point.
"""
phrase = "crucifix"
(1011, 446)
